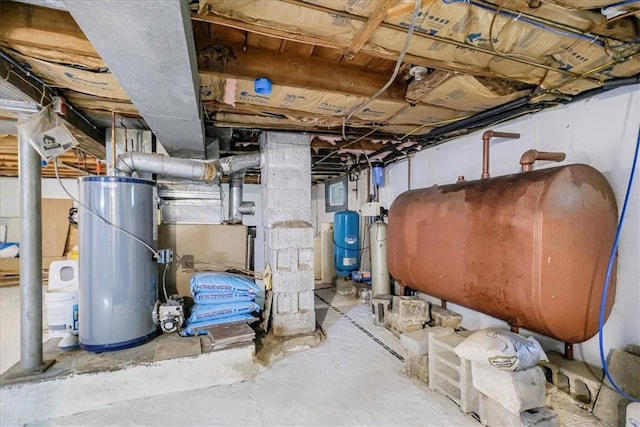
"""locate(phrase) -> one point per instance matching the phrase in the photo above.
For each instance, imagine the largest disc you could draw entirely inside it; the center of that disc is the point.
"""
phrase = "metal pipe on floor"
(30, 257)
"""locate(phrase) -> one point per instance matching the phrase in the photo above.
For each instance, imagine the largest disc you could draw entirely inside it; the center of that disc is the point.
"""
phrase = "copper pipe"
(529, 157)
(568, 351)
(486, 137)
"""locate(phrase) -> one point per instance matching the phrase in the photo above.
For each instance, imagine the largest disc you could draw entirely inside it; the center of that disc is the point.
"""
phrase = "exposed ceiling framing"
(470, 64)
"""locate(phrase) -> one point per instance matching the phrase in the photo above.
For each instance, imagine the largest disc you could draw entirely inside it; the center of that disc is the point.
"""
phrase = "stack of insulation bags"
(220, 298)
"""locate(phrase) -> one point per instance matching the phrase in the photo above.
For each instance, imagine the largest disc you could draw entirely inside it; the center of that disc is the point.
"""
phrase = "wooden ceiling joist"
(286, 69)
(318, 41)
(367, 30)
(366, 145)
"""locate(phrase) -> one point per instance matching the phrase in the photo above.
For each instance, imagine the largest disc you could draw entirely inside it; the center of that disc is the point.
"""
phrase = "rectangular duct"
(149, 47)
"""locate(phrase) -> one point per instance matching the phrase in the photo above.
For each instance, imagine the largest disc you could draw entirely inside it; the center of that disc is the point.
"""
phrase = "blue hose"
(605, 290)
(622, 3)
(592, 39)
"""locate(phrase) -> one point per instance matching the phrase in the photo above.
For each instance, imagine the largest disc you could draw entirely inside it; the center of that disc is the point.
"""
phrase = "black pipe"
(608, 85)
(514, 108)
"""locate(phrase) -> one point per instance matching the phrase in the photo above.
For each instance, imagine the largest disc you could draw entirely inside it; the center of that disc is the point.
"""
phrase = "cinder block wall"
(288, 234)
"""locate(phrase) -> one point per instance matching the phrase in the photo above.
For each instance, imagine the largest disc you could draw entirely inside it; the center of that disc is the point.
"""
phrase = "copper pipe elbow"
(486, 137)
(529, 157)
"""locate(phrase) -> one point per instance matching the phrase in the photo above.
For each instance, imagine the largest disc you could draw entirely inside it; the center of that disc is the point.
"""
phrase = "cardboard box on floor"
(202, 247)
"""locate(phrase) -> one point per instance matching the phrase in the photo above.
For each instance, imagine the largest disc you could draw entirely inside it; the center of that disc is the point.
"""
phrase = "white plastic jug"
(62, 298)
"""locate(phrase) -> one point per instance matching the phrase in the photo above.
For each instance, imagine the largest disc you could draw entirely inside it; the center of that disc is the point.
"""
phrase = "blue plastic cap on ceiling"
(262, 86)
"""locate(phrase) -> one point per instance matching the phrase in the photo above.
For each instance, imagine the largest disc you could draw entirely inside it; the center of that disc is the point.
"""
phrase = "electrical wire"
(605, 289)
(621, 3)
(137, 239)
(164, 283)
(405, 48)
(343, 146)
(592, 38)
(493, 48)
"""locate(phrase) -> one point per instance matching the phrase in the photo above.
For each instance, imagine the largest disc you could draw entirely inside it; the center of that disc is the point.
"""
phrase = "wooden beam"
(367, 29)
(365, 144)
(401, 9)
(286, 69)
(295, 115)
(318, 41)
(45, 28)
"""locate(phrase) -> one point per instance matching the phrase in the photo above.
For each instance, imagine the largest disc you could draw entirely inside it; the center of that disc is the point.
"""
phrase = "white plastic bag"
(47, 133)
(501, 349)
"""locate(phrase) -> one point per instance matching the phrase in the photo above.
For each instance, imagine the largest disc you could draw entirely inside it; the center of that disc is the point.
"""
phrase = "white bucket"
(62, 298)
(633, 414)
(62, 311)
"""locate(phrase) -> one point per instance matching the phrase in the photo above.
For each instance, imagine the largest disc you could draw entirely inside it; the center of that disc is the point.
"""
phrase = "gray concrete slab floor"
(354, 378)
(348, 380)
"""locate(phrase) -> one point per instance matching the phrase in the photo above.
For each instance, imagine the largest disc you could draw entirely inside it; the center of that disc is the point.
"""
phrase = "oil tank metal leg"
(30, 258)
(568, 351)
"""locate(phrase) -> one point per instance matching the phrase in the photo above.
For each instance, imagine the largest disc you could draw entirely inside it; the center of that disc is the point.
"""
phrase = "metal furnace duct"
(149, 48)
(531, 249)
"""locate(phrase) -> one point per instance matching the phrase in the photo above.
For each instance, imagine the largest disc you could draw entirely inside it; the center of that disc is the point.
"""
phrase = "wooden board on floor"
(55, 226)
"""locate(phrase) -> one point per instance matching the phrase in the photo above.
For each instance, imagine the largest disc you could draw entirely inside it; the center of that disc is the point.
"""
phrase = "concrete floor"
(348, 380)
(354, 378)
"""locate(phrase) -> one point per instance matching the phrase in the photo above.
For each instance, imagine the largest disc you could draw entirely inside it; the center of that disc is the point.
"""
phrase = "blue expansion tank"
(346, 241)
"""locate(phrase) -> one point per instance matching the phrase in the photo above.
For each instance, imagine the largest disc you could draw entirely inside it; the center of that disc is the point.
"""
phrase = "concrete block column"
(288, 234)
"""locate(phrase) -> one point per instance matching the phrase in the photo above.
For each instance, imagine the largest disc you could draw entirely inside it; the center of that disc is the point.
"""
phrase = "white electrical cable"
(403, 52)
(164, 283)
(142, 242)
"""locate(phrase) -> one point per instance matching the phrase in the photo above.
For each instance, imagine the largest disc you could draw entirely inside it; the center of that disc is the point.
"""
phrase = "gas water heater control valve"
(170, 315)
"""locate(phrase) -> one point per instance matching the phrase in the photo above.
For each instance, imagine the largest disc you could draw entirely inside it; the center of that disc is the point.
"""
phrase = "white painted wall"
(601, 132)
(357, 196)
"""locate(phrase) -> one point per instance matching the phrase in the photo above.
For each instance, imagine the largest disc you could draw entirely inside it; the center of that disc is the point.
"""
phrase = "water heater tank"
(346, 241)
(531, 249)
(117, 288)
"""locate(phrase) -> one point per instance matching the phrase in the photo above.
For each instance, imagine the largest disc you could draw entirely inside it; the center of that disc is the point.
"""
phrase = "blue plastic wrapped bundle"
(200, 313)
(222, 282)
(221, 297)
(199, 328)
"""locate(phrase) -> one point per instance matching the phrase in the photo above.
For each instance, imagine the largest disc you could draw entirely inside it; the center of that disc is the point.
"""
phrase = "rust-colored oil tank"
(531, 248)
